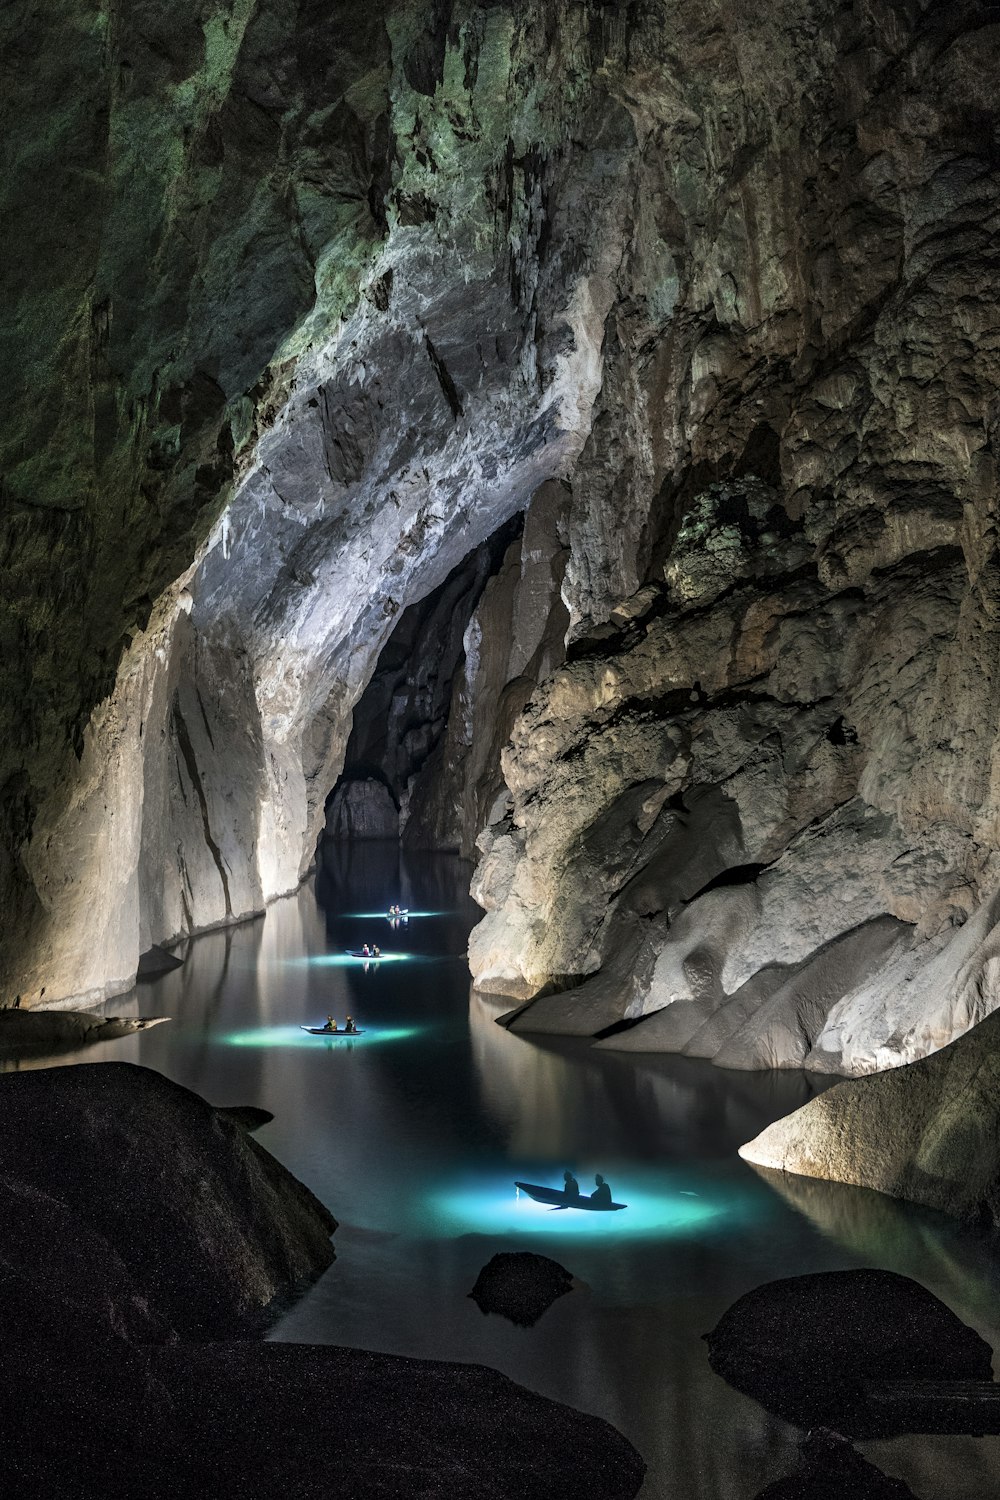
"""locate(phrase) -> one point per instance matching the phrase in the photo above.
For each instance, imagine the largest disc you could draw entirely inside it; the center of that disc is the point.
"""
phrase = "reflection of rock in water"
(542, 1090)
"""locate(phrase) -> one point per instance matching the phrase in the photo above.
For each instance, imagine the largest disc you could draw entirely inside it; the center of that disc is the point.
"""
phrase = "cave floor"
(414, 1133)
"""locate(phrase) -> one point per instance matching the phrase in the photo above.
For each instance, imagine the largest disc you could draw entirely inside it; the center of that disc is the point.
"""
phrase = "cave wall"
(325, 308)
(754, 816)
(317, 298)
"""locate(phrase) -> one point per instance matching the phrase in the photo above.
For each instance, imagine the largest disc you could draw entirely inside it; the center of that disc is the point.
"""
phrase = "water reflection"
(415, 1142)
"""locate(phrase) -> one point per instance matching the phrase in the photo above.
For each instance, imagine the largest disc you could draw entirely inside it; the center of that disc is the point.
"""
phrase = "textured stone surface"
(344, 288)
(240, 1421)
(804, 1347)
(205, 1229)
(520, 1285)
(830, 1469)
(927, 1132)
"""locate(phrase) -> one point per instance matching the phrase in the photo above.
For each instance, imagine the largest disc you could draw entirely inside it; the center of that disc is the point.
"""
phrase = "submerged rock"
(520, 1285)
(804, 1347)
(830, 1469)
(929, 1132)
(210, 1229)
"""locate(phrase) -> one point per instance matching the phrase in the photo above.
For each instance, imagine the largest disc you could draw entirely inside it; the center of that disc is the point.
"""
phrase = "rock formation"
(201, 1227)
(520, 1285)
(307, 303)
(809, 1347)
(143, 1236)
(927, 1132)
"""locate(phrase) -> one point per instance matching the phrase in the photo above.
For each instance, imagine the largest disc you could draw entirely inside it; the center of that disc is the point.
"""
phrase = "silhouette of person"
(570, 1185)
(602, 1193)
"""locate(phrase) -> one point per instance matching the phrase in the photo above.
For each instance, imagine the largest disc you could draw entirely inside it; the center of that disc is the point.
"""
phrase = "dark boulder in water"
(830, 1469)
(210, 1229)
(806, 1347)
(520, 1286)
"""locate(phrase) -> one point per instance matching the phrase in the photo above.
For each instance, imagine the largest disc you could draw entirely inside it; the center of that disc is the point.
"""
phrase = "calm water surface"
(413, 1135)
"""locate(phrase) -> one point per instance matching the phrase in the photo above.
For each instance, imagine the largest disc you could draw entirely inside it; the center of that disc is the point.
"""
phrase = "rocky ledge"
(926, 1132)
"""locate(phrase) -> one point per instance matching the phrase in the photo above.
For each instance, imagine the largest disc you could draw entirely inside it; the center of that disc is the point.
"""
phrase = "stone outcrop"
(238, 1420)
(718, 285)
(143, 1237)
(50, 1031)
(829, 1468)
(199, 1227)
(927, 1132)
(808, 1347)
(520, 1285)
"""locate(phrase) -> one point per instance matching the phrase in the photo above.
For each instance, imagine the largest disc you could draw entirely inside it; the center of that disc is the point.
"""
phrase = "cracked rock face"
(709, 293)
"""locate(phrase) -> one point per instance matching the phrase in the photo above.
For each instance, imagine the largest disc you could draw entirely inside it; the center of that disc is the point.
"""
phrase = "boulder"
(830, 1469)
(520, 1285)
(805, 1346)
(927, 1132)
(209, 1229)
(237, 1421)
(248, 1116)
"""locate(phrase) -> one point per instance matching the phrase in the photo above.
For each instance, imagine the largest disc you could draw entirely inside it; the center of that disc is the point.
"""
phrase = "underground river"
(414, 1133)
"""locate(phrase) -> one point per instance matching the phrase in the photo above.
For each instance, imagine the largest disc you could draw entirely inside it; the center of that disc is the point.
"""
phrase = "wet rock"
(210, 1229)
(33, 1031)
(830, 1469)
(927, 1132)
(805, 1346)
(520, 1285)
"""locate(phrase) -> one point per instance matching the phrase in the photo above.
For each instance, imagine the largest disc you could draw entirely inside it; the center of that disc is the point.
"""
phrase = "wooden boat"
(325, 1031)
(557, 1198)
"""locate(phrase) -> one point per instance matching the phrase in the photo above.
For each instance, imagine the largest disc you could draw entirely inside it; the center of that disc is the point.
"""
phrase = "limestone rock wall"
(328, 310)
(307, 302)
(754, 816)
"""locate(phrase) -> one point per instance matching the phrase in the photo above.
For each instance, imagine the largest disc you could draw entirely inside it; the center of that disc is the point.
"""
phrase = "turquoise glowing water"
(414, 1133)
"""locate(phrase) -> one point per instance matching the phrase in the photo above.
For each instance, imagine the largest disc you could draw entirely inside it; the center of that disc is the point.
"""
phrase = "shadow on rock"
(520, 1285)
(822, 1350)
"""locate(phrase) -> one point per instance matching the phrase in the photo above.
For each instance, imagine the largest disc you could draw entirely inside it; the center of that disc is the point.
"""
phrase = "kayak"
(557, 1198)
(323, 1031)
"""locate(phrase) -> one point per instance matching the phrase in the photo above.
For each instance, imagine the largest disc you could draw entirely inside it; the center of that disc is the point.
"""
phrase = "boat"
(557, 1198)
(368, 957)
(325, 1031)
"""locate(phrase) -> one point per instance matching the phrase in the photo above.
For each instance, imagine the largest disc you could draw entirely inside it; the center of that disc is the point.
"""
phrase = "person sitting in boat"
(376, 951)
(350, 1026)
(365, 951)
(602, 1193)
(331, 1024)
(570, 1185)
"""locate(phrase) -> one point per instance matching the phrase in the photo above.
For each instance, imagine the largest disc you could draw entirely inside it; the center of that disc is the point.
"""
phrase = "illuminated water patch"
(655, 1211)
(343, 960)
(372, 916)
(294, 1036)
